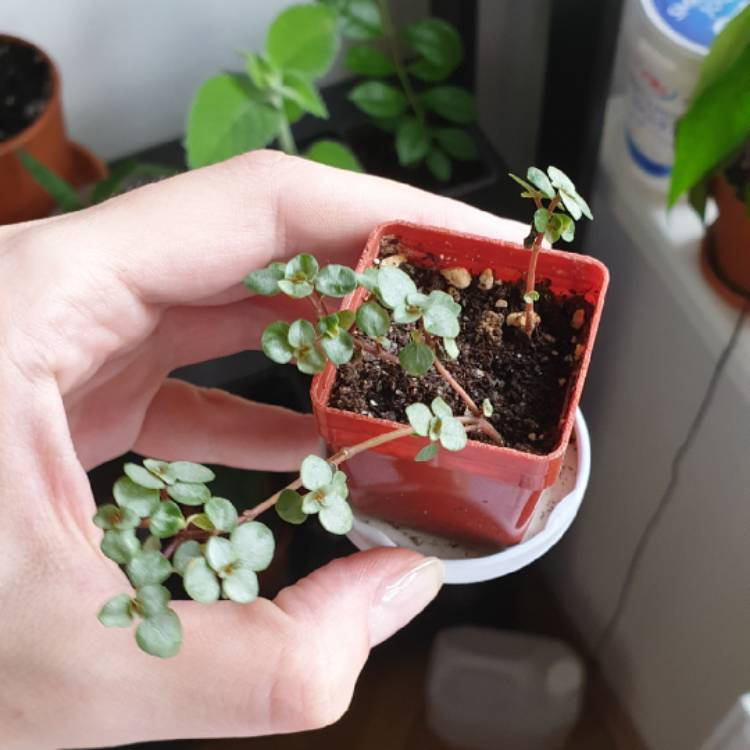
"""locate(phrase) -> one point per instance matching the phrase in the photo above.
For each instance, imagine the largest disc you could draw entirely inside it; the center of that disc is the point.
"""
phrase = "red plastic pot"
(483, 494)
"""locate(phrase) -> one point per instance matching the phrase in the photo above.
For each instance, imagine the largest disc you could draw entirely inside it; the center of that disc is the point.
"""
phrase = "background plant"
(124, 175)
(232, 113)
(424, 113)
(549, 222)
(715, 129)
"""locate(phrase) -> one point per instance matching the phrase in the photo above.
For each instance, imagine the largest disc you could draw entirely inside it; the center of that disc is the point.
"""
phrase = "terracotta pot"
(483, 494)
(727, 245)
(21, 198)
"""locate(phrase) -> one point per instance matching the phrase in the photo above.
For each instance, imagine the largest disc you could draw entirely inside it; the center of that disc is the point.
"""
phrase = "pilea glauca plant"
(232, 113)
(549, 222)
(165, 520)
(425, 117)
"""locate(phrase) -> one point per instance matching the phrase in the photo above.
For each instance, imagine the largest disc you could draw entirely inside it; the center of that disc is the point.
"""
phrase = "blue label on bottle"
(696, 21)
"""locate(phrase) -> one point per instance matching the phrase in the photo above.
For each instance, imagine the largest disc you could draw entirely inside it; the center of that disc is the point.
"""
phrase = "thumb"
(291, 664)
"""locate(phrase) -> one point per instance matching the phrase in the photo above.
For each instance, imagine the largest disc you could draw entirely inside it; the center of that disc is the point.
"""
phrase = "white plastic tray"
(554, 514)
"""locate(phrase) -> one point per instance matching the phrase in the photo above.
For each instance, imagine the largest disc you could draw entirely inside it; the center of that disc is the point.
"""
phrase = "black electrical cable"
(669, 490)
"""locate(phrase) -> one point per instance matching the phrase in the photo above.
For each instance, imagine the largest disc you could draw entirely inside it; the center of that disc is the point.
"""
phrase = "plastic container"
(668, 40)
(553, 516)
(21, 198)
(493, 689)
(483, 494)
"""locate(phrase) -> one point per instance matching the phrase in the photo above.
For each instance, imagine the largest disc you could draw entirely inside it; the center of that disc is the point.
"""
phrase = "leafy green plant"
(715, 129)
(549, 222)
(425, 117)
(232, 113)
(68, 198)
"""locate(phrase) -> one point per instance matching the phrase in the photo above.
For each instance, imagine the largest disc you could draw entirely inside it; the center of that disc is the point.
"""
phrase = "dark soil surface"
(25, 86)
(376, 150)
(526, 380)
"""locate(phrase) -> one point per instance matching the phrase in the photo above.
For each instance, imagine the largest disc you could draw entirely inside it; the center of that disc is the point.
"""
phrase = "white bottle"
(667, 42)
(492, 689)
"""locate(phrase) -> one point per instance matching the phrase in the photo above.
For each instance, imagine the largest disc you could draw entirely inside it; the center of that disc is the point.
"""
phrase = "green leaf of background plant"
(372, 319)
(302, 91)
(224, 121)
(261, 72)
(378, 99)
(368, 61)
(452, 103)
(416, 358)
(63, 194)
(437, 42)
(275, 342)
(358, 19)
(439, 165)
(412, 141)
(715, 125)
(160, 635)
(334, 154)
(254, 544)
(456, 142)
(303, 38)
(117, 612)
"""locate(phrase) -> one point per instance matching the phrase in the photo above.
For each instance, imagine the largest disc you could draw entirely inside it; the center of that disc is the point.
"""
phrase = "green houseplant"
(712, 151)
(164, 519)
(232, 113)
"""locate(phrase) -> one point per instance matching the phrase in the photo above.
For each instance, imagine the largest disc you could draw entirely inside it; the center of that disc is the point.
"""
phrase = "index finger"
(199, 233)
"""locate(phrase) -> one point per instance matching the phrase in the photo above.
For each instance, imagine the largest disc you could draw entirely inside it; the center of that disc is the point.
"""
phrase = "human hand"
(97, 307)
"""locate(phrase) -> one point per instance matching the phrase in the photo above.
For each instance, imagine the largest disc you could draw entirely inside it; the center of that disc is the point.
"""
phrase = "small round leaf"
(111, 517)
(339, 349)
(241, 586)
(166, 520)
(143, 477)
(337, 518)
(120, 546)
(221, 513)
(148, 568)
(336, 281)
(301, 334)
(254, 544)
(130, 495)
(440, 408)
(450, 346)
(152, 599)
(220, 553)
(160, 469)
(440, 320)
(117, 612)
(394, 285)
(296, 289)
(160, 635)
(419, 417)
(265, 281)
(200, 521)
(373, 320)
(275, 343)
(189, 493)
(200, 582)
(289, 507)
(427, 453)
(187, 471)
(315, 473)
(310, 360)
(540, 181)
(184, 554)
(416, 358)
(452, 434)
(302, 267)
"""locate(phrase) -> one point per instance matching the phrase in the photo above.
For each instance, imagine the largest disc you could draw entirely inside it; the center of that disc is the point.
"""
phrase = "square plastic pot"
(484, 494)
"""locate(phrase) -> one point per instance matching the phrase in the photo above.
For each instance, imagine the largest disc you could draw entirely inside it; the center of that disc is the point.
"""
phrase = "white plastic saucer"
(553, 516)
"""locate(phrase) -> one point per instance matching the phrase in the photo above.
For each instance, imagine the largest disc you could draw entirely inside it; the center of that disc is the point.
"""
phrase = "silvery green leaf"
(275, 342)
(394, 285)
(160, 635)
(440, 408)
(152, 599)
(117, 612)
(296, 289)
(571, 204)
(567, 227)
(111, 517)
(440, 320)
(220, 553)
(143, 477)
(120, 546)
(525, 185)
(310, 361)
(452, 434)
(372, 319)
(130, 495)
(541, 219)
(439, 298)
(560, 180)
(419, 417)
(147, 568)
(152, 543)
(241, 585)
(184, 554)
(160, 469)
(301, 334)
(451, 348)
(200, 582)
(427, 453)
(200, 521)
(368, 279)
(328, 325)
(338, 488)
(254, 544)
(416, 358)
(540, 181)
(315, 473)
(340, 349)
(166, 520)
(337, 518)
(346, 318)
(433, 431)
(311, 502)
(265, 281)
(336, 281)
(289, 507)
(189, 493)
(407, 312)
(302, 267)
(221, 513)
(187, 471)
(585, 210)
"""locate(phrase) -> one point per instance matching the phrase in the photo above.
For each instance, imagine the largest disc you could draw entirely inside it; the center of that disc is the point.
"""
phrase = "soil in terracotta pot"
(25, 86)
(526, 380)
(375, 149)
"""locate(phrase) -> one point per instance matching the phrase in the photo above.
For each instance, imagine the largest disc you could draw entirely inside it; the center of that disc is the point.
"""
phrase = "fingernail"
(404, 597)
